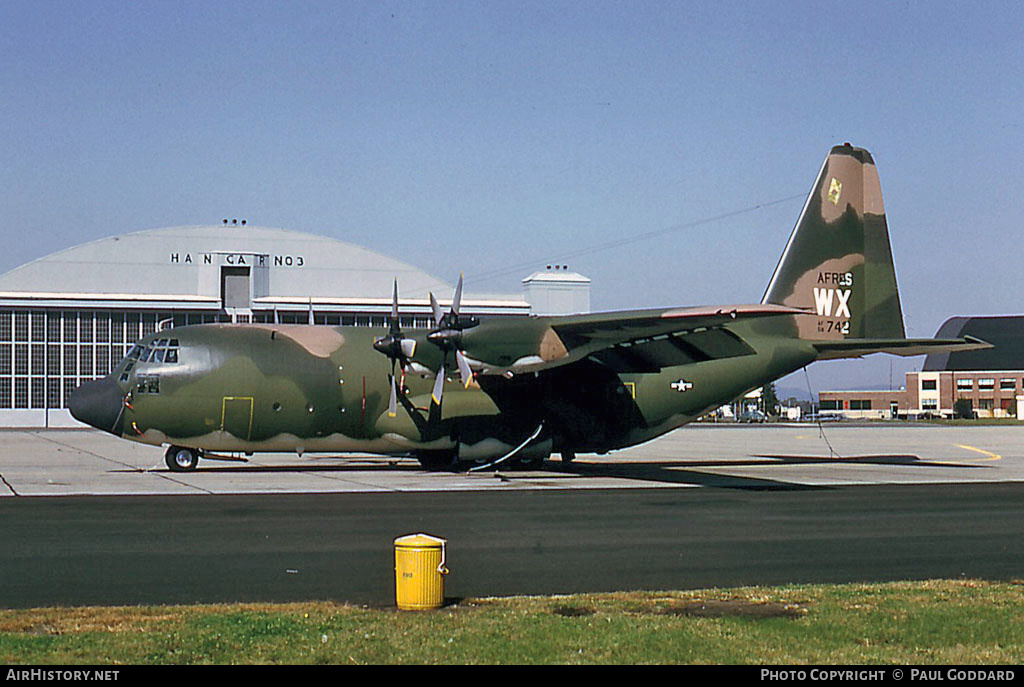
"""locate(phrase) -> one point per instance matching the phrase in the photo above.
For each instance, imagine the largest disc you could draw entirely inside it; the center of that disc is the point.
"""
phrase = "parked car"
(752, 416)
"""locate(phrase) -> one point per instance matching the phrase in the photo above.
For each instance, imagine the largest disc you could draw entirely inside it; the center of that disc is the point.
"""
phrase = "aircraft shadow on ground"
(673, 472)
(244, 467)
(882, 459)
(688, 471)
(681, 472)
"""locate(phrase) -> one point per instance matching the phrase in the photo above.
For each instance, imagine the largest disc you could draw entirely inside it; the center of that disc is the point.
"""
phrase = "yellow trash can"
(419, 572)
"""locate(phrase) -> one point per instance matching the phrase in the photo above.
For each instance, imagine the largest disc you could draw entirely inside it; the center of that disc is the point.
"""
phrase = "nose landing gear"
(182, 459)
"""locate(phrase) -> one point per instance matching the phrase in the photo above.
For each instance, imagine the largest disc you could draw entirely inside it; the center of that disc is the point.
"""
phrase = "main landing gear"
(182, 459)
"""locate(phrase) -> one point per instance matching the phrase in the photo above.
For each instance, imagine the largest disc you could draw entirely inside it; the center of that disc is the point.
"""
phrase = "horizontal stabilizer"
(856, 348)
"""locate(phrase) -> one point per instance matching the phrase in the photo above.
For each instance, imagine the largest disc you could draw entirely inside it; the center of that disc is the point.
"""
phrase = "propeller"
(396, 347)
(447, 335)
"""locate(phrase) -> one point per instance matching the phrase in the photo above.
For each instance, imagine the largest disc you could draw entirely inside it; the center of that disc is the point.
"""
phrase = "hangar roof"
(1005, 333)
(183, 264)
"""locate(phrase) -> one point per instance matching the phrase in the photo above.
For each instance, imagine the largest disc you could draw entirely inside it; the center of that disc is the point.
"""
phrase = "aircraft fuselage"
(249, 388)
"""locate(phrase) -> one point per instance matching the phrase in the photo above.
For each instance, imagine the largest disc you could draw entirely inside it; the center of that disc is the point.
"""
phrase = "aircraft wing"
(674, 337)
(626, 341)
(642, 341)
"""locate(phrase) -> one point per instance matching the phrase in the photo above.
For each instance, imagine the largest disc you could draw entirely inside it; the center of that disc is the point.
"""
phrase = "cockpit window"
(159, 351)
(148, 384)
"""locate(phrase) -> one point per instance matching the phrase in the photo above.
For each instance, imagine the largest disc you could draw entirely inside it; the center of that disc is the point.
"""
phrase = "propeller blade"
(457, 299)
(465, 371)
(438, 386)
(408, 347)
(393, 399)
(396, 348)
(395, 328)
(436, 309)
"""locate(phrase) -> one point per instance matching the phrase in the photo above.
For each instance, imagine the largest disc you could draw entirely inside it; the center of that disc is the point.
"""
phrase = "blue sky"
(494, 137)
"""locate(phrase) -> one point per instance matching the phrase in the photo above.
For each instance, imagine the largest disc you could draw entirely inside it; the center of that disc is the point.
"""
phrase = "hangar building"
(70, 316)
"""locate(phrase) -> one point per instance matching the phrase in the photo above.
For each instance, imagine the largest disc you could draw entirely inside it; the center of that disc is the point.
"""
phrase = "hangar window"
(53, 327)
(928, 385)
(38, 326)
(1008, 384)
(115, 355)
(21, 392)
(70, 327)
(860, 404)
(830, 404)
(102, 361)
(964, 384)
(327, 318)
(132, 326)
(69, 388)
(117, 327)
(53, 392)
(21, 359)
(38, 389)
(986, 384)
(38, 352)
(85, 357)
(102, 327)
(21, 326)
(85, 327)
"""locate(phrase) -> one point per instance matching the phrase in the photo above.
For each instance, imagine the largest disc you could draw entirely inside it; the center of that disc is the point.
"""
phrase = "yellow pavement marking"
(991, 456)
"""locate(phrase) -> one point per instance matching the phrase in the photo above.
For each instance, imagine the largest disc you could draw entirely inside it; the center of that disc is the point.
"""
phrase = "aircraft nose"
(100, 404)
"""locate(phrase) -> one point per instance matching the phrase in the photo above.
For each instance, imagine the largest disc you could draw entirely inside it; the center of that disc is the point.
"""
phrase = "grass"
(934, 622)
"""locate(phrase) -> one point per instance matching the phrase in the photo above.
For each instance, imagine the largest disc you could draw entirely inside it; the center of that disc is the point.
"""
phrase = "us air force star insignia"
(681, 385)
(834, 189)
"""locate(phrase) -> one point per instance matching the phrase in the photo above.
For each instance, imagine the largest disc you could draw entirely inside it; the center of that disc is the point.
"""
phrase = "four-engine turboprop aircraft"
(518, 388)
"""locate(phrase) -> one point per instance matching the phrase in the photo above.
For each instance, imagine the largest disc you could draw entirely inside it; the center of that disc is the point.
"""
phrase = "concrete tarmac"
(90, 519)
(90, 462)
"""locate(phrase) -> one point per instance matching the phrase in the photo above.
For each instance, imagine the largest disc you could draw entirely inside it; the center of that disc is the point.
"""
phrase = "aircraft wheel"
(181, 459)
(568, 456)
(533, 463)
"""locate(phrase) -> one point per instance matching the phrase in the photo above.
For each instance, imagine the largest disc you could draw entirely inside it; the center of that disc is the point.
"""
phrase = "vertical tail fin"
(838, 261)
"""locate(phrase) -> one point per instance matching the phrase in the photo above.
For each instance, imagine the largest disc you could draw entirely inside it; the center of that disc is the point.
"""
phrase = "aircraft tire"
(181, 459)
(568, 456)
(532, 463)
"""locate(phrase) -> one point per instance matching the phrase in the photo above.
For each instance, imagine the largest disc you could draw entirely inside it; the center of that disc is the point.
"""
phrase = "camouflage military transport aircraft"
(519, 388)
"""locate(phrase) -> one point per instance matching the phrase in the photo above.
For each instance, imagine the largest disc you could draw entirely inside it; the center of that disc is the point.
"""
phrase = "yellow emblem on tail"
(834, 189)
